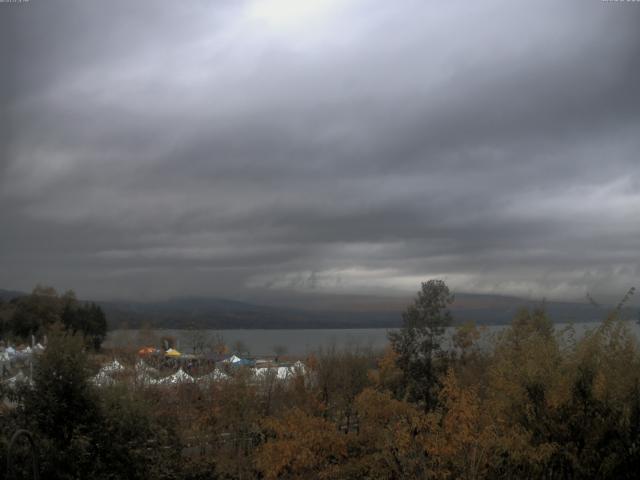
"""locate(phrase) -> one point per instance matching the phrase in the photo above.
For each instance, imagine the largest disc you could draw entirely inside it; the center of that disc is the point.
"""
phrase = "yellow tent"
(172, 353)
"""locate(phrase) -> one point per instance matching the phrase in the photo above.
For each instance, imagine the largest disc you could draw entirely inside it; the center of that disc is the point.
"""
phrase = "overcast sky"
(227, 148)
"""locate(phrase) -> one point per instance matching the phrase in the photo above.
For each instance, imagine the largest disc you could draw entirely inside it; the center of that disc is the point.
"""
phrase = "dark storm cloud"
(165, 148)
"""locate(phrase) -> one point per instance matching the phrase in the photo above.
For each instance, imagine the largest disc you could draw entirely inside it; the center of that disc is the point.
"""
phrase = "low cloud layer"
(152, 149)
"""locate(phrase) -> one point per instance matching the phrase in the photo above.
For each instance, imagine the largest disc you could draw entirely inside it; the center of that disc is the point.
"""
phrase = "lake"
(295, 342)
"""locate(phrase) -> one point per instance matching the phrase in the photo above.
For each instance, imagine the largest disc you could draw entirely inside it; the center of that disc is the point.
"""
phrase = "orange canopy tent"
(146, 351)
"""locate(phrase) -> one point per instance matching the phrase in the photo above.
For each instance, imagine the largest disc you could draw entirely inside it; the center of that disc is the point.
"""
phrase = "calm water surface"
(295, 342)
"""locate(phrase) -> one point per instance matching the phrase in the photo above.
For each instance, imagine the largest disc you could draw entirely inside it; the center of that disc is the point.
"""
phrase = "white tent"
(112, 367)
(102, 379)
(299, 367)
(283, 373)
(17, 379)
(179, 377)
(218, 375)
(232, 359)
(22, 354)
(262, 371)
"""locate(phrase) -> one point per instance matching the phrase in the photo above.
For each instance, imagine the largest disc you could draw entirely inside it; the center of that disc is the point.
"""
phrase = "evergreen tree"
(417, 343)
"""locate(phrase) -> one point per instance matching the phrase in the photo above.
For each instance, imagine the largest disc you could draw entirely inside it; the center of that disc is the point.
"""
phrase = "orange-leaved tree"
(300, 446)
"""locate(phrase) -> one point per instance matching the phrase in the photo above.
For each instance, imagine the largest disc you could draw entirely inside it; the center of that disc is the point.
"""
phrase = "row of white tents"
(281, 373)
(146, 375)
(9, 354)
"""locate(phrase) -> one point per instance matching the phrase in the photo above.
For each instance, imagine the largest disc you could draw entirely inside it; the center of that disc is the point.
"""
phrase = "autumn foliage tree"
(300, 446)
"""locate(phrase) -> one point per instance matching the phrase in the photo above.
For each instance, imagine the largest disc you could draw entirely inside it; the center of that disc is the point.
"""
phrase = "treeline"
(540, 403)
(33, 315)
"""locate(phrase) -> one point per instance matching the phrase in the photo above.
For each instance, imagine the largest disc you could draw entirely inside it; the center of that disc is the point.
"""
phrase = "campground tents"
(179, 377)
(112, 367)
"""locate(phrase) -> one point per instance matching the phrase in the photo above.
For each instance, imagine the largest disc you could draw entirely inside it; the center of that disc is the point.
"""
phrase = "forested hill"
(198, 312)
(215, 313)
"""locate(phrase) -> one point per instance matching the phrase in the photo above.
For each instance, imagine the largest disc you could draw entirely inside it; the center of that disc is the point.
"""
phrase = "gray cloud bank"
(157, 148)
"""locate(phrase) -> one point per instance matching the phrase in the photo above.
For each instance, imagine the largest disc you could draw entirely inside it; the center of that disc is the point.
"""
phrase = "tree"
(217, 345)
(460, 436)
(94, 324)
(279, 351)
(465, 338)
(7, 310)
(85, 433)
(417, 343)
(62, 407)
(237, 424)
(388, 376)
(391, 438)
(300, 446)
(88, 319)
(34, 314)
(240, 347)
(134, 440)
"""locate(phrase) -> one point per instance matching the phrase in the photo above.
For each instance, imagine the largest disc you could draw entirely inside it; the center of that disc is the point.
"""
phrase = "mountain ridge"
(356, 311)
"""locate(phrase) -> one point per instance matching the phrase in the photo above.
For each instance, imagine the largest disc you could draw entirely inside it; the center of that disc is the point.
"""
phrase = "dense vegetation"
(538, 404)
(34, 314)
